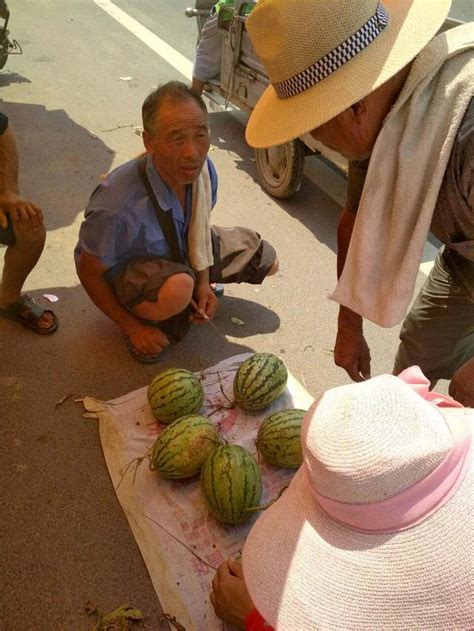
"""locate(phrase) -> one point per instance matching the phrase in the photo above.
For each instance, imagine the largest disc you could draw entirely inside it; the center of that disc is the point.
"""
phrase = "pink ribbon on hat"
(421, 385)
(422, 499)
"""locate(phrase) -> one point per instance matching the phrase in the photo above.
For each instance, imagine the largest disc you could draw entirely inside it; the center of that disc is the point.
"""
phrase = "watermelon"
(259, 381)
(173, 393)
(180, 450)
(231, 483)
(279, 438)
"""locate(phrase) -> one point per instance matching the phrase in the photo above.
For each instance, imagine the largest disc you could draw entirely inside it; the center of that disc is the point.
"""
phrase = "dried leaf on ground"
(238, 321)
(125, 618)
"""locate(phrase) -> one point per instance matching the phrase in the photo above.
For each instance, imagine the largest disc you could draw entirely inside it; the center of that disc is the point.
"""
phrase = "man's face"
(351, 133)
(179, 142)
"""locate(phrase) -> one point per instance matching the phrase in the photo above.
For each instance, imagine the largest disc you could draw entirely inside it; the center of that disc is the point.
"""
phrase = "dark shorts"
(7, 235)
(438, 332)
(240, 256)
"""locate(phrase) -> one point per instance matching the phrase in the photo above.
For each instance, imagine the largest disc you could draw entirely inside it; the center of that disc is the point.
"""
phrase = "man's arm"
(145, 339)
(351, 351)
(461, 387)
(205, 297)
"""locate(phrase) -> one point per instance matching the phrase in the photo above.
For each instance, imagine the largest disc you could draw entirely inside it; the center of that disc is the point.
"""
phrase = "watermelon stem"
(218, 407)
(134, 464)
(232, 403)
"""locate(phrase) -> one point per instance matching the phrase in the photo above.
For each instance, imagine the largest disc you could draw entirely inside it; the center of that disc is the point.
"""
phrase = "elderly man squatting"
(142, 273)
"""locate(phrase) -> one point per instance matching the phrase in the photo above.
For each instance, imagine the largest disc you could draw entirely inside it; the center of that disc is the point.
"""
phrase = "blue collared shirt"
(120, 222)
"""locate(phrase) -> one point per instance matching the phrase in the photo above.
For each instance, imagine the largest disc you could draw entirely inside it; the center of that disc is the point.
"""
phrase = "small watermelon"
(259, 381)
(182, 447)
(173, 393)
(231, 483)
(279, 438)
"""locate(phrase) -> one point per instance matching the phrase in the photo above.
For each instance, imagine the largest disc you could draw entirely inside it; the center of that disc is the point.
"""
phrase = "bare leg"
(20, 259)
(173, 297)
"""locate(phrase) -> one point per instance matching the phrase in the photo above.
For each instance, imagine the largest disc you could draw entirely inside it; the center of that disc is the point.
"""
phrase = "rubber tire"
(281, 179)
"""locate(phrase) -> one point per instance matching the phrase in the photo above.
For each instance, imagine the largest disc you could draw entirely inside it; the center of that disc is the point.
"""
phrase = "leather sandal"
(28, 313)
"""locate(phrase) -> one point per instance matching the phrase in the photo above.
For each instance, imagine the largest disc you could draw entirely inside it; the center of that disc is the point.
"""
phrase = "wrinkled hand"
(148, 340)
(206, 302)
(461, 387)
(229, 596)
(24, 214)
(352, 353)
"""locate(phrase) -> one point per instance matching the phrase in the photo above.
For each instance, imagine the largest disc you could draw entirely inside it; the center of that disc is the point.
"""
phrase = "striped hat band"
(336, 58)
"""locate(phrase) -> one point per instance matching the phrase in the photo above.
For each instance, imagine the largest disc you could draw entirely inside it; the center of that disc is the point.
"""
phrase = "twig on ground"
(172, 620)
(179, 541)
(63, 399)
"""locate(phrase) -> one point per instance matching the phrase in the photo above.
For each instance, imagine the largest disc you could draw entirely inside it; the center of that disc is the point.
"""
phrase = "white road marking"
(185, 67)
(160, 47)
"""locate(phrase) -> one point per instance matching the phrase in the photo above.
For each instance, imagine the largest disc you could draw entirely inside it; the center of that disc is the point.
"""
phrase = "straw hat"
(406, 562)
(322, 56)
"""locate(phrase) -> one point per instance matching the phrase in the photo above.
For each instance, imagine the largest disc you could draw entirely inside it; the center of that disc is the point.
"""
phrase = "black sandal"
(26, 312)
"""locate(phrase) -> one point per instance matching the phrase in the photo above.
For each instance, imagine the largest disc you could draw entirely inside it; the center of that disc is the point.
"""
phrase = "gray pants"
(438, 332)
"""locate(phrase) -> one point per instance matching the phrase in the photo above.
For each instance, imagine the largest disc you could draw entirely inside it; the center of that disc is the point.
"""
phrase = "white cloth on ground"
(405, 174)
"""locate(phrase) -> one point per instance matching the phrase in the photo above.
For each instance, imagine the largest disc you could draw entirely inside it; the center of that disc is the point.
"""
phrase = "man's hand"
(229, 596)
(352, 353)
(206, 301)
(147, 340)
(25, 216)
(461, 387)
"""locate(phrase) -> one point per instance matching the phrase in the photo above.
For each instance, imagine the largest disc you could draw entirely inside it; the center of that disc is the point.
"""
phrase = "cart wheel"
(280, 168)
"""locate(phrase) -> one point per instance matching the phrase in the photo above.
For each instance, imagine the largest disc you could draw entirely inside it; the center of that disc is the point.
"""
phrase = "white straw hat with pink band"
(375, 529)
(322, 56)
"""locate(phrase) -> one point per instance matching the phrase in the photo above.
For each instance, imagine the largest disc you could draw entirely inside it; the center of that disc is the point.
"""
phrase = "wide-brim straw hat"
(363, 444)
(329, 54)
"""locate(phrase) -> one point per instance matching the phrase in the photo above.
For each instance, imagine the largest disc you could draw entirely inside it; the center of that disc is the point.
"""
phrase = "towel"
(199, 232)
(405, 173)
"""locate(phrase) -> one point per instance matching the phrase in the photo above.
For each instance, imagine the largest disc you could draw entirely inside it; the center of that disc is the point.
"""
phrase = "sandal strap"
(26, 302)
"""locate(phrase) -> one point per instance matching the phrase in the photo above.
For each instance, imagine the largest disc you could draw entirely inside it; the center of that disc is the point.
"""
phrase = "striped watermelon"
(173, 393)
(259, 381)
(279, 438)
(231, 483)
(182, 447)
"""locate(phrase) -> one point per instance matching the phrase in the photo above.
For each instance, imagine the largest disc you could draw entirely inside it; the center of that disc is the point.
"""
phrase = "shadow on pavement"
(7, 78)
(60, 161)
(255, 319)
(310, 205)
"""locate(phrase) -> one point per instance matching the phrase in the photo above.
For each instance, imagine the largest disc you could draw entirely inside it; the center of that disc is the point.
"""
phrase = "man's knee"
(33, 239)
(172, 298)
(177, 290)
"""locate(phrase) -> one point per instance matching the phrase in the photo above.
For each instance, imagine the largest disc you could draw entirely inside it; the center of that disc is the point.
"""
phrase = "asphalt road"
(74, 100)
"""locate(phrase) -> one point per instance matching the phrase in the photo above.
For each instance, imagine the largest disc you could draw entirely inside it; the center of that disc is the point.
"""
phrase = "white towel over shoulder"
(199, 232)
(405, 174)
